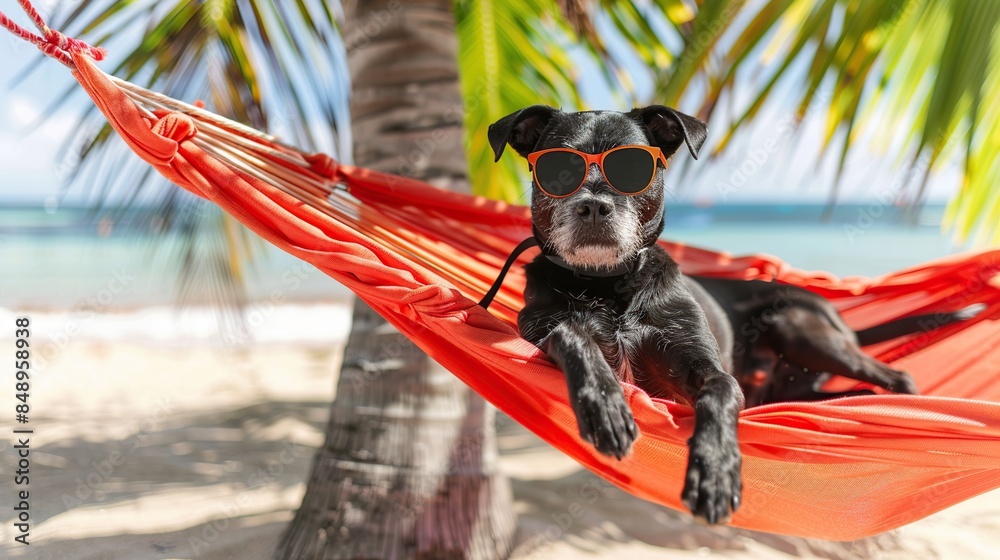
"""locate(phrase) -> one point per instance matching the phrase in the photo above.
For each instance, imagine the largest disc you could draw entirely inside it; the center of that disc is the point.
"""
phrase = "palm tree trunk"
(409, 468)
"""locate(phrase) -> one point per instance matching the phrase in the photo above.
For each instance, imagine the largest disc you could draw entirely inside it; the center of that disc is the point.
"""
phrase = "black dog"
(605, 302)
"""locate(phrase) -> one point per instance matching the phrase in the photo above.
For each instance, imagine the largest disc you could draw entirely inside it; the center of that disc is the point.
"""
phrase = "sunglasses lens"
(560, 173)
(630, 170)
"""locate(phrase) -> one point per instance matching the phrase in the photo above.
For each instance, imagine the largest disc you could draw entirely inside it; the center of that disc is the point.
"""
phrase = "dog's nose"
(594, 210)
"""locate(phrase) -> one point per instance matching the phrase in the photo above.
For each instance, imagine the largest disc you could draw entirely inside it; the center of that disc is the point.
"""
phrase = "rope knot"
(72, 45)
(50, 42)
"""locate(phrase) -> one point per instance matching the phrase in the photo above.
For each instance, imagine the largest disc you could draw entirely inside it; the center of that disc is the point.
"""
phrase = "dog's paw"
(606, 421)
(713, 487)
(903, 383)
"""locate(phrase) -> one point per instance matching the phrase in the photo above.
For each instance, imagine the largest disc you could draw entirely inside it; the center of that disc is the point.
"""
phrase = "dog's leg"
(806, 339)
(712, 485)
(603, 416)
(791, 383)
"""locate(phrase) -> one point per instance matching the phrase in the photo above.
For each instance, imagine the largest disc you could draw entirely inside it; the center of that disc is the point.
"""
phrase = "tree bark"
(409, 466)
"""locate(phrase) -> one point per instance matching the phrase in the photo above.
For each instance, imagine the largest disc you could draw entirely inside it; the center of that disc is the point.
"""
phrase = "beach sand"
(163, 447)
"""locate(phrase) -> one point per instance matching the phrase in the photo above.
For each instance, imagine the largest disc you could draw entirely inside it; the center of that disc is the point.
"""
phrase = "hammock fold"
(421, 257)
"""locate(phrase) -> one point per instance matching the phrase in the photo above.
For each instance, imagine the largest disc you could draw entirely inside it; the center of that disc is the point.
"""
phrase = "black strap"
(521, 247)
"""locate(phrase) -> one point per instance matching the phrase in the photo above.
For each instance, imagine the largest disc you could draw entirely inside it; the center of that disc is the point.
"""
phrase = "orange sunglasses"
(630, 170)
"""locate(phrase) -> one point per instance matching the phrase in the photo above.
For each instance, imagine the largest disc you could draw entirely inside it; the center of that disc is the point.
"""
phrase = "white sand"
(211, 447)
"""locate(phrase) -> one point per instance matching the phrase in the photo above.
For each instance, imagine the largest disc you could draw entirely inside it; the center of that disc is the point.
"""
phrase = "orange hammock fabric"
(421, 257)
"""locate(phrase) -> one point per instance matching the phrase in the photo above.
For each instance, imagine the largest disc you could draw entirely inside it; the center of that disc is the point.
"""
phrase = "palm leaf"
(512, 54)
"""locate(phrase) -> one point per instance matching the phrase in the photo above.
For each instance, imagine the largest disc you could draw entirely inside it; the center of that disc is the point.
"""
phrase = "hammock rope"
(421, 257)
(51, 42)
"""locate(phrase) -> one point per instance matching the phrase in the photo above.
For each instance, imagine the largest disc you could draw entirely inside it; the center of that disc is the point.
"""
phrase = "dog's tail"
(915, 324)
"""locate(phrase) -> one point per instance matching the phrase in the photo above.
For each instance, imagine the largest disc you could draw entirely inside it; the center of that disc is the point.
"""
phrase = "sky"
(30, 167)
(766, 164)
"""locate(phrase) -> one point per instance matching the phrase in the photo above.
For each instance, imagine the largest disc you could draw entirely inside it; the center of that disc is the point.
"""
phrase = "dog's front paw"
(605, 420)
(712, 487)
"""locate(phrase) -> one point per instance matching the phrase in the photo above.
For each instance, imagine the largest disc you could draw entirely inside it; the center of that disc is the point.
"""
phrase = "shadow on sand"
(226, 453)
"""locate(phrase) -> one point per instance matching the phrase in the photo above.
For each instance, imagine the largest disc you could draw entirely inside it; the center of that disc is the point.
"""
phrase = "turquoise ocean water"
(60, 259)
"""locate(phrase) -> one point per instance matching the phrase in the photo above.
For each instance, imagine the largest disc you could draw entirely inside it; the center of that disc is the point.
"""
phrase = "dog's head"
(597, 227)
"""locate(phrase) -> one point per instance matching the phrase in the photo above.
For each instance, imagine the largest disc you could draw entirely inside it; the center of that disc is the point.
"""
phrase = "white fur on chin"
(594, 256)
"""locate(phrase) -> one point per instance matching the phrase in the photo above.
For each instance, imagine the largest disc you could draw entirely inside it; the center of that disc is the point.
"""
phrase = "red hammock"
(421, 257)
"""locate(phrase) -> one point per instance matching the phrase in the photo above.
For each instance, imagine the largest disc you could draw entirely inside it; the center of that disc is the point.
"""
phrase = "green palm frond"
(923, 68)
(975, 211)
(512, 54)
(700, 36)
(637, 26)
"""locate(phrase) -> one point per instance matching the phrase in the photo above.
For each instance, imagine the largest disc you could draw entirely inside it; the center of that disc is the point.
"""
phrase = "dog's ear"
(521, 129)
(670, 128)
